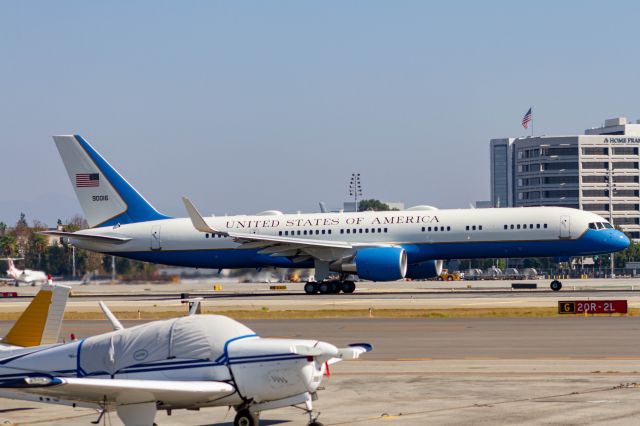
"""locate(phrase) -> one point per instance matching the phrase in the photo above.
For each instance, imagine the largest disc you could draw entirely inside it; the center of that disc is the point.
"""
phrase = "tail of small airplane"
(41, 322)
(105, 196)
(12, 271)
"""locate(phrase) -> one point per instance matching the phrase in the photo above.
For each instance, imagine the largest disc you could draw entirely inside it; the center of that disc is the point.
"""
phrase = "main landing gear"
(556, 285)
(329, 287)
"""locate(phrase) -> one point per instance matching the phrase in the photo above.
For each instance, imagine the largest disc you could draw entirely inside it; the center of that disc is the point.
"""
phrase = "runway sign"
(569, 307)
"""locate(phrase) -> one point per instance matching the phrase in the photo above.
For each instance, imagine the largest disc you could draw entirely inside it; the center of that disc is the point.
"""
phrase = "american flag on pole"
(526, 119)
(87, 180)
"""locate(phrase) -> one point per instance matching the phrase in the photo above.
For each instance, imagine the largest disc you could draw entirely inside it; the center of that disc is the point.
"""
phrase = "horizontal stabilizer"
(352, 352)
(98, 238)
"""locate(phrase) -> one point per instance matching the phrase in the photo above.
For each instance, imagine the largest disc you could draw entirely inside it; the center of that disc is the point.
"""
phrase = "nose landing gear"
(556, 285)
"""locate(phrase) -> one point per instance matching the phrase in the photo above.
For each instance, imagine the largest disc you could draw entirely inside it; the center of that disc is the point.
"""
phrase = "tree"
(373, 205)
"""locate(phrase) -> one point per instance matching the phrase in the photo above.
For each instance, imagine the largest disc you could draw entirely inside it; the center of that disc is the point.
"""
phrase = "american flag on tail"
(87, 180)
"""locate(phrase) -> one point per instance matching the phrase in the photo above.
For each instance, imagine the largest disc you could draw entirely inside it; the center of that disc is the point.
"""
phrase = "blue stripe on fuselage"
(590, 243)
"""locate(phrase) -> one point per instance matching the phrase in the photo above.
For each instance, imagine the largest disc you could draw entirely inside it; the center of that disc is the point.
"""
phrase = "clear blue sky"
(248, 106)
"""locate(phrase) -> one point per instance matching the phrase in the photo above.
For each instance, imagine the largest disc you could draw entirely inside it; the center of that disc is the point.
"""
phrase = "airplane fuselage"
(425, 234)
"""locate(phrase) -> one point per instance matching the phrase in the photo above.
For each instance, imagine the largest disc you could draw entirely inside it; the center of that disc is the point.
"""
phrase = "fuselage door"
(565, 227)
(156, 242)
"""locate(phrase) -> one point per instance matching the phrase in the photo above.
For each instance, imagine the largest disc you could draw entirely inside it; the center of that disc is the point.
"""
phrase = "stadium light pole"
(355, 188)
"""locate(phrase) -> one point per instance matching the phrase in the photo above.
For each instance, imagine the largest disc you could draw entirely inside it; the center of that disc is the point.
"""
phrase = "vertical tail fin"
(105, 196)
(41, 322)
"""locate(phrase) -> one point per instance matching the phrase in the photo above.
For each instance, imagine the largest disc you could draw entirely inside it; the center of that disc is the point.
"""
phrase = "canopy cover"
(192, 337)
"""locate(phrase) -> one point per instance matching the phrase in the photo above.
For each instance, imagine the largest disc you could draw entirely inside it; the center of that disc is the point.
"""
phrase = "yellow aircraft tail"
(41, 322)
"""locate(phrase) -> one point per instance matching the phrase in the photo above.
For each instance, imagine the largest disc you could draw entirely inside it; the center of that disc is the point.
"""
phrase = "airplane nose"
(619, 241)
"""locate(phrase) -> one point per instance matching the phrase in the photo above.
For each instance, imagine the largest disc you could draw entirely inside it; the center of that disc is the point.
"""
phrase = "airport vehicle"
(25, 276)
(182, 363)
(377, 246)
(39, 324)
(453, 276)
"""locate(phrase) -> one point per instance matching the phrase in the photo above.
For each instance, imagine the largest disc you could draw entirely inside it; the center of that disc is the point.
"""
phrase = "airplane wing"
(98, 238)
(120, 391)
(299, 249)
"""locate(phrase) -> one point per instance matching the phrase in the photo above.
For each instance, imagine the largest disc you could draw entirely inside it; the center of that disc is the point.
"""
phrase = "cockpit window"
(599, 225)
(592, 225)
(607, 225)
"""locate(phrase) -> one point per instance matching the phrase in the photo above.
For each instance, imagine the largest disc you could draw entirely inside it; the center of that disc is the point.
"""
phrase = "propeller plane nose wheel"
(246, 418)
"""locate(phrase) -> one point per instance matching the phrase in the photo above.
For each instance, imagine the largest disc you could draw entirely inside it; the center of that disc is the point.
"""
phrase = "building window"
(595, 165)
(595, 193)
(625, 179)
(595, 207)
(591, 150)
(625, 150)
(594, 179)
(624, 165)
(626, 207)
(551, 151)
(560, 165)
(625, 193)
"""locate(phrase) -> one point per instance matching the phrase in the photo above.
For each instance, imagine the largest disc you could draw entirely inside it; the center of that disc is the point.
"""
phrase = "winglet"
(40, 323)
(196, 218)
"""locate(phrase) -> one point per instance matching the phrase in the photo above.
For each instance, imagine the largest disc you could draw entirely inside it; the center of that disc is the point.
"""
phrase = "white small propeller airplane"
(181, 363)
(26, 276)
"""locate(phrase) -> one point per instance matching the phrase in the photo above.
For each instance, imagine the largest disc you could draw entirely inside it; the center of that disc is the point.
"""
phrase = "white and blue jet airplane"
(377, 246)
(190, 363)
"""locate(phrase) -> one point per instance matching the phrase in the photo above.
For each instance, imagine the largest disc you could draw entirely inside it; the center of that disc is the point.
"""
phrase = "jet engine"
(377, 264)
(423, 270)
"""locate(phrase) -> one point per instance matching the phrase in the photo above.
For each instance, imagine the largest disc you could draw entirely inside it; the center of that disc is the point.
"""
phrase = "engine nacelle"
(424, 270)
(381, 263)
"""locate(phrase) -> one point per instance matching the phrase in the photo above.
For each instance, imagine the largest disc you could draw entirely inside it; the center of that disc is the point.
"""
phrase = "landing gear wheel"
(246, 418)
(556, 285)
(324, 288)
(335, 287)
(311, 288)
(348, 287)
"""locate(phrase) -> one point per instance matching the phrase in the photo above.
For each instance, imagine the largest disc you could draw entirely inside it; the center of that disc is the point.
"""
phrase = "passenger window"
(323, 232)
(342, 231)
(206, 235)
(511, 226)
(380, 230)
(386, 229)
(373, 230)
(545, 226)
(531, 226)
(435, 228)
(348, 231)
(448, 228)
(329, 231)
(279, 232)
(429, 229)
(355, 231)
(518, 226)
(298, 232)
(537, 226)
(442, 228)
(505, 227)
(317, 232)
(360, 230)
(467, 227)
(423, 229)
(366, 230)
(473, 228)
